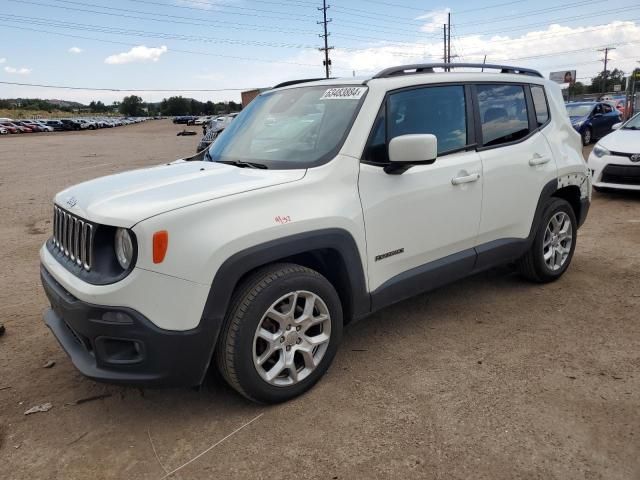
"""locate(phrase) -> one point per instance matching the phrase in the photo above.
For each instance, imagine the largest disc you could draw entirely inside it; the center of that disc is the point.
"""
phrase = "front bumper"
(120, 345)
(614, 171)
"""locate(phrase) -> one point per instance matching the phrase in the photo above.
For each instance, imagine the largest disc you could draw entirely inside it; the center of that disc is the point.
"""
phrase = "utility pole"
(444, 37)
(449, 39)
(326, 62)
(604, 72)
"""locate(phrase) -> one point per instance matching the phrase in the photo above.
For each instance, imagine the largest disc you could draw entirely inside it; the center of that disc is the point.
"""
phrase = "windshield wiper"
(237, 163)
(632, 127)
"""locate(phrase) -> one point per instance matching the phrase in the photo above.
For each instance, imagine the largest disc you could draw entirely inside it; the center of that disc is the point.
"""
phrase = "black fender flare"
(243, 262)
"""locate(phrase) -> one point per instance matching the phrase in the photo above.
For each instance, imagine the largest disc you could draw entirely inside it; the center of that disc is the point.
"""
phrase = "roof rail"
(428, 68)
(302, 80)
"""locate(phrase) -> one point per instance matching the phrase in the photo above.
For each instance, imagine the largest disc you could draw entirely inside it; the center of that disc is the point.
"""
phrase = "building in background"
(249, 95)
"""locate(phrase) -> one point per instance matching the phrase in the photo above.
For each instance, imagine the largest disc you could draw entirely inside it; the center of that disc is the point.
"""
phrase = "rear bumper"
(119, 345)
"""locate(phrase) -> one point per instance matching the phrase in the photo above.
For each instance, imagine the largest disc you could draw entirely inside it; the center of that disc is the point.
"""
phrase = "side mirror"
(413, 149)
(616, 126)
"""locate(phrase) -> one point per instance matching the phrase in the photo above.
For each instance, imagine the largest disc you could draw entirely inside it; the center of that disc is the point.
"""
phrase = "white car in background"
(202, 120)
(615, 160)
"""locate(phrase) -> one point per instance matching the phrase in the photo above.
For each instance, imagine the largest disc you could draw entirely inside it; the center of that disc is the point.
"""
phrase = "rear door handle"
(465, 178)
(538, 159)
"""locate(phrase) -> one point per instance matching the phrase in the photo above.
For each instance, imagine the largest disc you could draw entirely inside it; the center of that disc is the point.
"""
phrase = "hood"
(623, 141)
(127, 198)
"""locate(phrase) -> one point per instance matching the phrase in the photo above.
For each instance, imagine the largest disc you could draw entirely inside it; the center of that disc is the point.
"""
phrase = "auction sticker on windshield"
(343, 93)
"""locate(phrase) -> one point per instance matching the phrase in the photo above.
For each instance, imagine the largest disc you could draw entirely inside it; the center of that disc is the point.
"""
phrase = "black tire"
(234, 352)
(532, 265)
(587, 136)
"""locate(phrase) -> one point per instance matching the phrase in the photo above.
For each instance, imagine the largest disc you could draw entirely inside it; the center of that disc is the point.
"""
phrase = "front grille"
(621, 174)
(622, 154)
(73, 237)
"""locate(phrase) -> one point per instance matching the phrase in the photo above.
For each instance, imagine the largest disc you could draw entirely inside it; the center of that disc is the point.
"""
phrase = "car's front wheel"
(281, 333)
(553, 245)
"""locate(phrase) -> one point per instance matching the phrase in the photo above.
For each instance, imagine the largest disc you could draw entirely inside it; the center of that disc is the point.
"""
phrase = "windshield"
(633, 123)
(293, 128)
(579, 110)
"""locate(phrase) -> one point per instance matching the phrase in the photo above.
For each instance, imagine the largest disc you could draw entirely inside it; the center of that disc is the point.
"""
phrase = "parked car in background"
(72, 124)
(16, 126)
(30, 126)
(618, 104)
(592, 120)
(202, 120)
(87, 124)
(57, 125)
(212, 129)
(184, 119)
(10, 127)
(615, 160)
(43, 125)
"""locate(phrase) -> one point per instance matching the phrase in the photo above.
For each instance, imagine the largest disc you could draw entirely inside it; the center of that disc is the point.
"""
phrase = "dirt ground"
(490, 378)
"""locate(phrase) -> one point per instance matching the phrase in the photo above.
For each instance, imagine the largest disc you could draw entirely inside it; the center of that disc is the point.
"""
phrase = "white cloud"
(542, 50)
(17, 71)
(75, 50)
(435, 20)
(2, 60)
(139, 54)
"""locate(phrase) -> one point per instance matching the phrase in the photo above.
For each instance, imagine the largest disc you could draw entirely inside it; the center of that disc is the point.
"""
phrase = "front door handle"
(465, 178)
(538, 159)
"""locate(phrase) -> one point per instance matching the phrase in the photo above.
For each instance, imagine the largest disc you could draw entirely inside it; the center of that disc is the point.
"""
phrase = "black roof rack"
(428, 68)
(302, 80)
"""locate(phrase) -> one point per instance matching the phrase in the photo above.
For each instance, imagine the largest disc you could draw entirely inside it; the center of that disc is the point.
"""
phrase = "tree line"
(130, 106)
(134, 106)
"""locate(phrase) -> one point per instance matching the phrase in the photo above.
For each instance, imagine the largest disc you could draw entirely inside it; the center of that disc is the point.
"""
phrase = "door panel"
(514, 177)
(420, 212)
(429, 211)
(519, 163)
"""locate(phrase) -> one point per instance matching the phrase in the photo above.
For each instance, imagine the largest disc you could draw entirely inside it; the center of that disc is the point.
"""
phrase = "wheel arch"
(331, 252)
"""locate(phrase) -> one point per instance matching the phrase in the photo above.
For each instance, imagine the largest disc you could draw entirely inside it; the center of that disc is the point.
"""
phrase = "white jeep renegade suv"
(322, 202)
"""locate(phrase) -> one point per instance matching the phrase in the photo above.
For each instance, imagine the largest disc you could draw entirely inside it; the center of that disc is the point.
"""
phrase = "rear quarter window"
(503, 113)
(540, 104)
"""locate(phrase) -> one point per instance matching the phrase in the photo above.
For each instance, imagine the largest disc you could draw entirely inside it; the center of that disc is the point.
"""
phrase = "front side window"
(503, 113)
(440, 111)
(540, 104)
(293, 128)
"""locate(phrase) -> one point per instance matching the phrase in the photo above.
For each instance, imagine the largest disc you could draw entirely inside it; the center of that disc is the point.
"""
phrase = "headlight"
(577, 124)
(124, 248)
(600, 151)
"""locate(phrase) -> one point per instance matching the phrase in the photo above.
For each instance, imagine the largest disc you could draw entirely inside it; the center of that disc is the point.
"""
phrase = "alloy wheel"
(292, 338)
(558, 238)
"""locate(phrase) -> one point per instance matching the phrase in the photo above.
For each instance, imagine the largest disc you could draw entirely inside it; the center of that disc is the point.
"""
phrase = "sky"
(191, 45)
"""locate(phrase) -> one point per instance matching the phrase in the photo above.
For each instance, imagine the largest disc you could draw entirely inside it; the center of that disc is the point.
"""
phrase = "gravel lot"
(490, 378)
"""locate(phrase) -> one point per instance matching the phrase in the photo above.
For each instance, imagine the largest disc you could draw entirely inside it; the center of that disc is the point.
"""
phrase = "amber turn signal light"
(160, 245)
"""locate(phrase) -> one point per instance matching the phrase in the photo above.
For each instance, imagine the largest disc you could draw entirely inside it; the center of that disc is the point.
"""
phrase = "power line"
(95, 89)
(114, 42)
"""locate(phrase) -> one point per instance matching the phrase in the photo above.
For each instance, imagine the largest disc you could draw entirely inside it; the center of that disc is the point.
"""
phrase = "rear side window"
(503, 113)
(540, 104)
(440, 111)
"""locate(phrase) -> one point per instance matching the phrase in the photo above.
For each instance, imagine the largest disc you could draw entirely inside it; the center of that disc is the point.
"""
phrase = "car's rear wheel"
(281, 333)
(587, 136)
(553, 245)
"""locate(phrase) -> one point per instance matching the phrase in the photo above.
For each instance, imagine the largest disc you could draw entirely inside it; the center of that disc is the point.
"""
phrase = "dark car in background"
(184, 119)
(57, 125)
(592, 120)
(71, 124)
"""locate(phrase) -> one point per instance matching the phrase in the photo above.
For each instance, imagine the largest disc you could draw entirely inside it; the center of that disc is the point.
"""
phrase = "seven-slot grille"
(73, 237)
